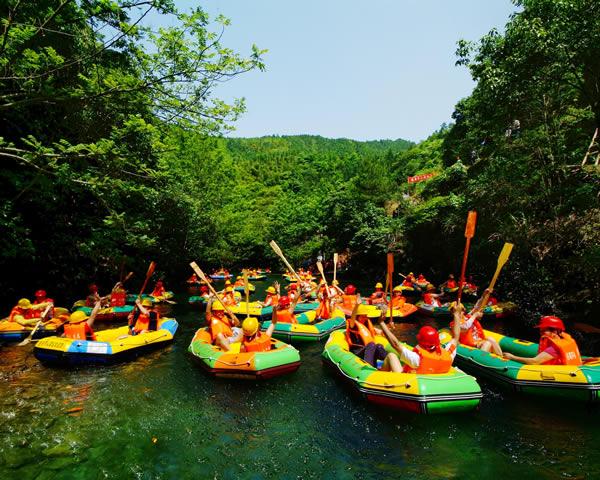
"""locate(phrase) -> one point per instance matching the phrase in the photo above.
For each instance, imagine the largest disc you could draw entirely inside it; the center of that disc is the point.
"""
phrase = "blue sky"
(344, 68)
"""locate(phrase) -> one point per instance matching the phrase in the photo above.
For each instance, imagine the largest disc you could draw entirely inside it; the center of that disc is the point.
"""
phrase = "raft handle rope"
(223, 361)
(524, 366)
(391, 385)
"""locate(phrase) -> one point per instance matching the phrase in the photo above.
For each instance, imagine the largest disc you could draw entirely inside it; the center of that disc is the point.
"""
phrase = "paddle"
(28, 339)
(148, 275)
(320, 267)
(502, 259)
(200, 273)
(278, 251)
(390, 272)
(469, 234)
(335, 262)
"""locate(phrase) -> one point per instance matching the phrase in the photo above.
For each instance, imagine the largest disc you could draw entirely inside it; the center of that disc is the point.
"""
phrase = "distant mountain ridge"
(315, 144)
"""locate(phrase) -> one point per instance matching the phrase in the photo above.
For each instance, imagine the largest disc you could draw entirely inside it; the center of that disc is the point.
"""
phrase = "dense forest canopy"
(112, 151)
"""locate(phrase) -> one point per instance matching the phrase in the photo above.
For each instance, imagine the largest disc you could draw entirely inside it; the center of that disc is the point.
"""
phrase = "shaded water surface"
(161, 417)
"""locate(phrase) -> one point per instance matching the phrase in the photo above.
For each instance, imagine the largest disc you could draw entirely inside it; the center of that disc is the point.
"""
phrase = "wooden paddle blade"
(275, 247)
(471, 222)
(127, 277)
(151, 269)
(505, 253)
(199, 272)
(390, 263)
(335, 258)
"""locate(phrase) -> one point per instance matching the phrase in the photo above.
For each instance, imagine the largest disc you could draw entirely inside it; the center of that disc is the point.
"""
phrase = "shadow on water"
(161, 416)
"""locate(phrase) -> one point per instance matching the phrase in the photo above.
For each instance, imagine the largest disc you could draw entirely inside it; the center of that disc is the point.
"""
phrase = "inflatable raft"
(198, 300)
(406, 310)
(491, 311)
(280, 360)
(257, 278)
(255, 309)
(111, 346)
(251, 288)
(15, 332)
(454, 391)
(308, 328)
(106, 314)
(221, 276)
(560, 381)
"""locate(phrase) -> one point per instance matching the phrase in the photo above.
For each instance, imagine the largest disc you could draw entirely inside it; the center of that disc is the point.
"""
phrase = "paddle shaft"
(247, 292)
(461, 281)
(335, 261)
(37, 325)
(200, 273)
(390, 272)
(278, 251)
(502, 259)
(148, 275)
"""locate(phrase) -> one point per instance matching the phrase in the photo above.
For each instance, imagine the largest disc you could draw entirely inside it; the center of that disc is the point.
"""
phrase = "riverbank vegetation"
(112, 150)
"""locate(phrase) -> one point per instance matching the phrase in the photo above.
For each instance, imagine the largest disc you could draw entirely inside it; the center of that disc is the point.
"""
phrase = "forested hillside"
(113, 151)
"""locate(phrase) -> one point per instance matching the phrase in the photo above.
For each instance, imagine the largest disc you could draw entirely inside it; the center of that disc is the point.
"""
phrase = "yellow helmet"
(335, 282)
(227, 282)
(146, 302)
(271, 290)
(378, 285)
(24, 303)
(229, 289)
(238, 278)
(363, 310)
(250, 326)
(77, 317)
(217, 306)
(397, 288)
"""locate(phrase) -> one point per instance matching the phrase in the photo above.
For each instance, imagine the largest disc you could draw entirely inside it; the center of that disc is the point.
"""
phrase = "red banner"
(420, 178)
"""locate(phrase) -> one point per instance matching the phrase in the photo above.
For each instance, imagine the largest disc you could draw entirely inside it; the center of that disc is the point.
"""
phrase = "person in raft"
(285, 309)
(398, 300)
(449, 284)
(144, 318)
(350, 297)
(204, 292)
(159, 289)
(272, 296)
(360, 335)
(118, 296)
(26, 314)
(325, 302)
(254, 340)
(409, 280)
(193, 279)
(79, 325)
(229, 296)
(223, 327)
(471, 331)
(431, 298)
(378, 296)
(556, 346)
(93, 295)
(428, 356)
(42, 298)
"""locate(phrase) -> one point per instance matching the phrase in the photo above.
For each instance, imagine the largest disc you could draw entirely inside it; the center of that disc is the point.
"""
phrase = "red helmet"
(428, 337)
(293, 286)
(284, 302)
(41, 293)
(350, 290)
(551, 322)
(204, 288)
(93, 288)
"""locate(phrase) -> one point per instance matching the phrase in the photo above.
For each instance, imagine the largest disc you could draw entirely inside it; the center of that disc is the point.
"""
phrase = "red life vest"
(566, 347)
(429, 299)
(451, 284)
(45, 300)
(365, 332)
(285, 316)
(473, 336)
(117, 299)
(438, 361)
(260, 343)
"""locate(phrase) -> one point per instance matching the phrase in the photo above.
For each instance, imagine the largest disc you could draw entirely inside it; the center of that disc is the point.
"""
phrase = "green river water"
(161, 417)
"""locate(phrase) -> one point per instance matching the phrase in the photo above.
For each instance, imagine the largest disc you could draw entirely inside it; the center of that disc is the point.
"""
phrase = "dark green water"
(307, 425)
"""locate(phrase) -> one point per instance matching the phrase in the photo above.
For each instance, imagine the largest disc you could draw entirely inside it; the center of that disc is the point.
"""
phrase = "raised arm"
(90, 321)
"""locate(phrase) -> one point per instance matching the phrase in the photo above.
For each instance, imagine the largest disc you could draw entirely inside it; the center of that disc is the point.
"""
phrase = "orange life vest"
(451, 284)
(473, 336)
(365, 332)
(398, 302)
(271, 299)
(220, 325)
(285, 316)
(260, 343)
(229, 299)
(431, 362)
(143, 322)
(349, 301)
(324, 310)
(78, 331)
(565, 346)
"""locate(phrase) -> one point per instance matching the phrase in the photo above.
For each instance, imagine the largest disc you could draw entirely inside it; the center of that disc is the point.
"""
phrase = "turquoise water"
(161, 417)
